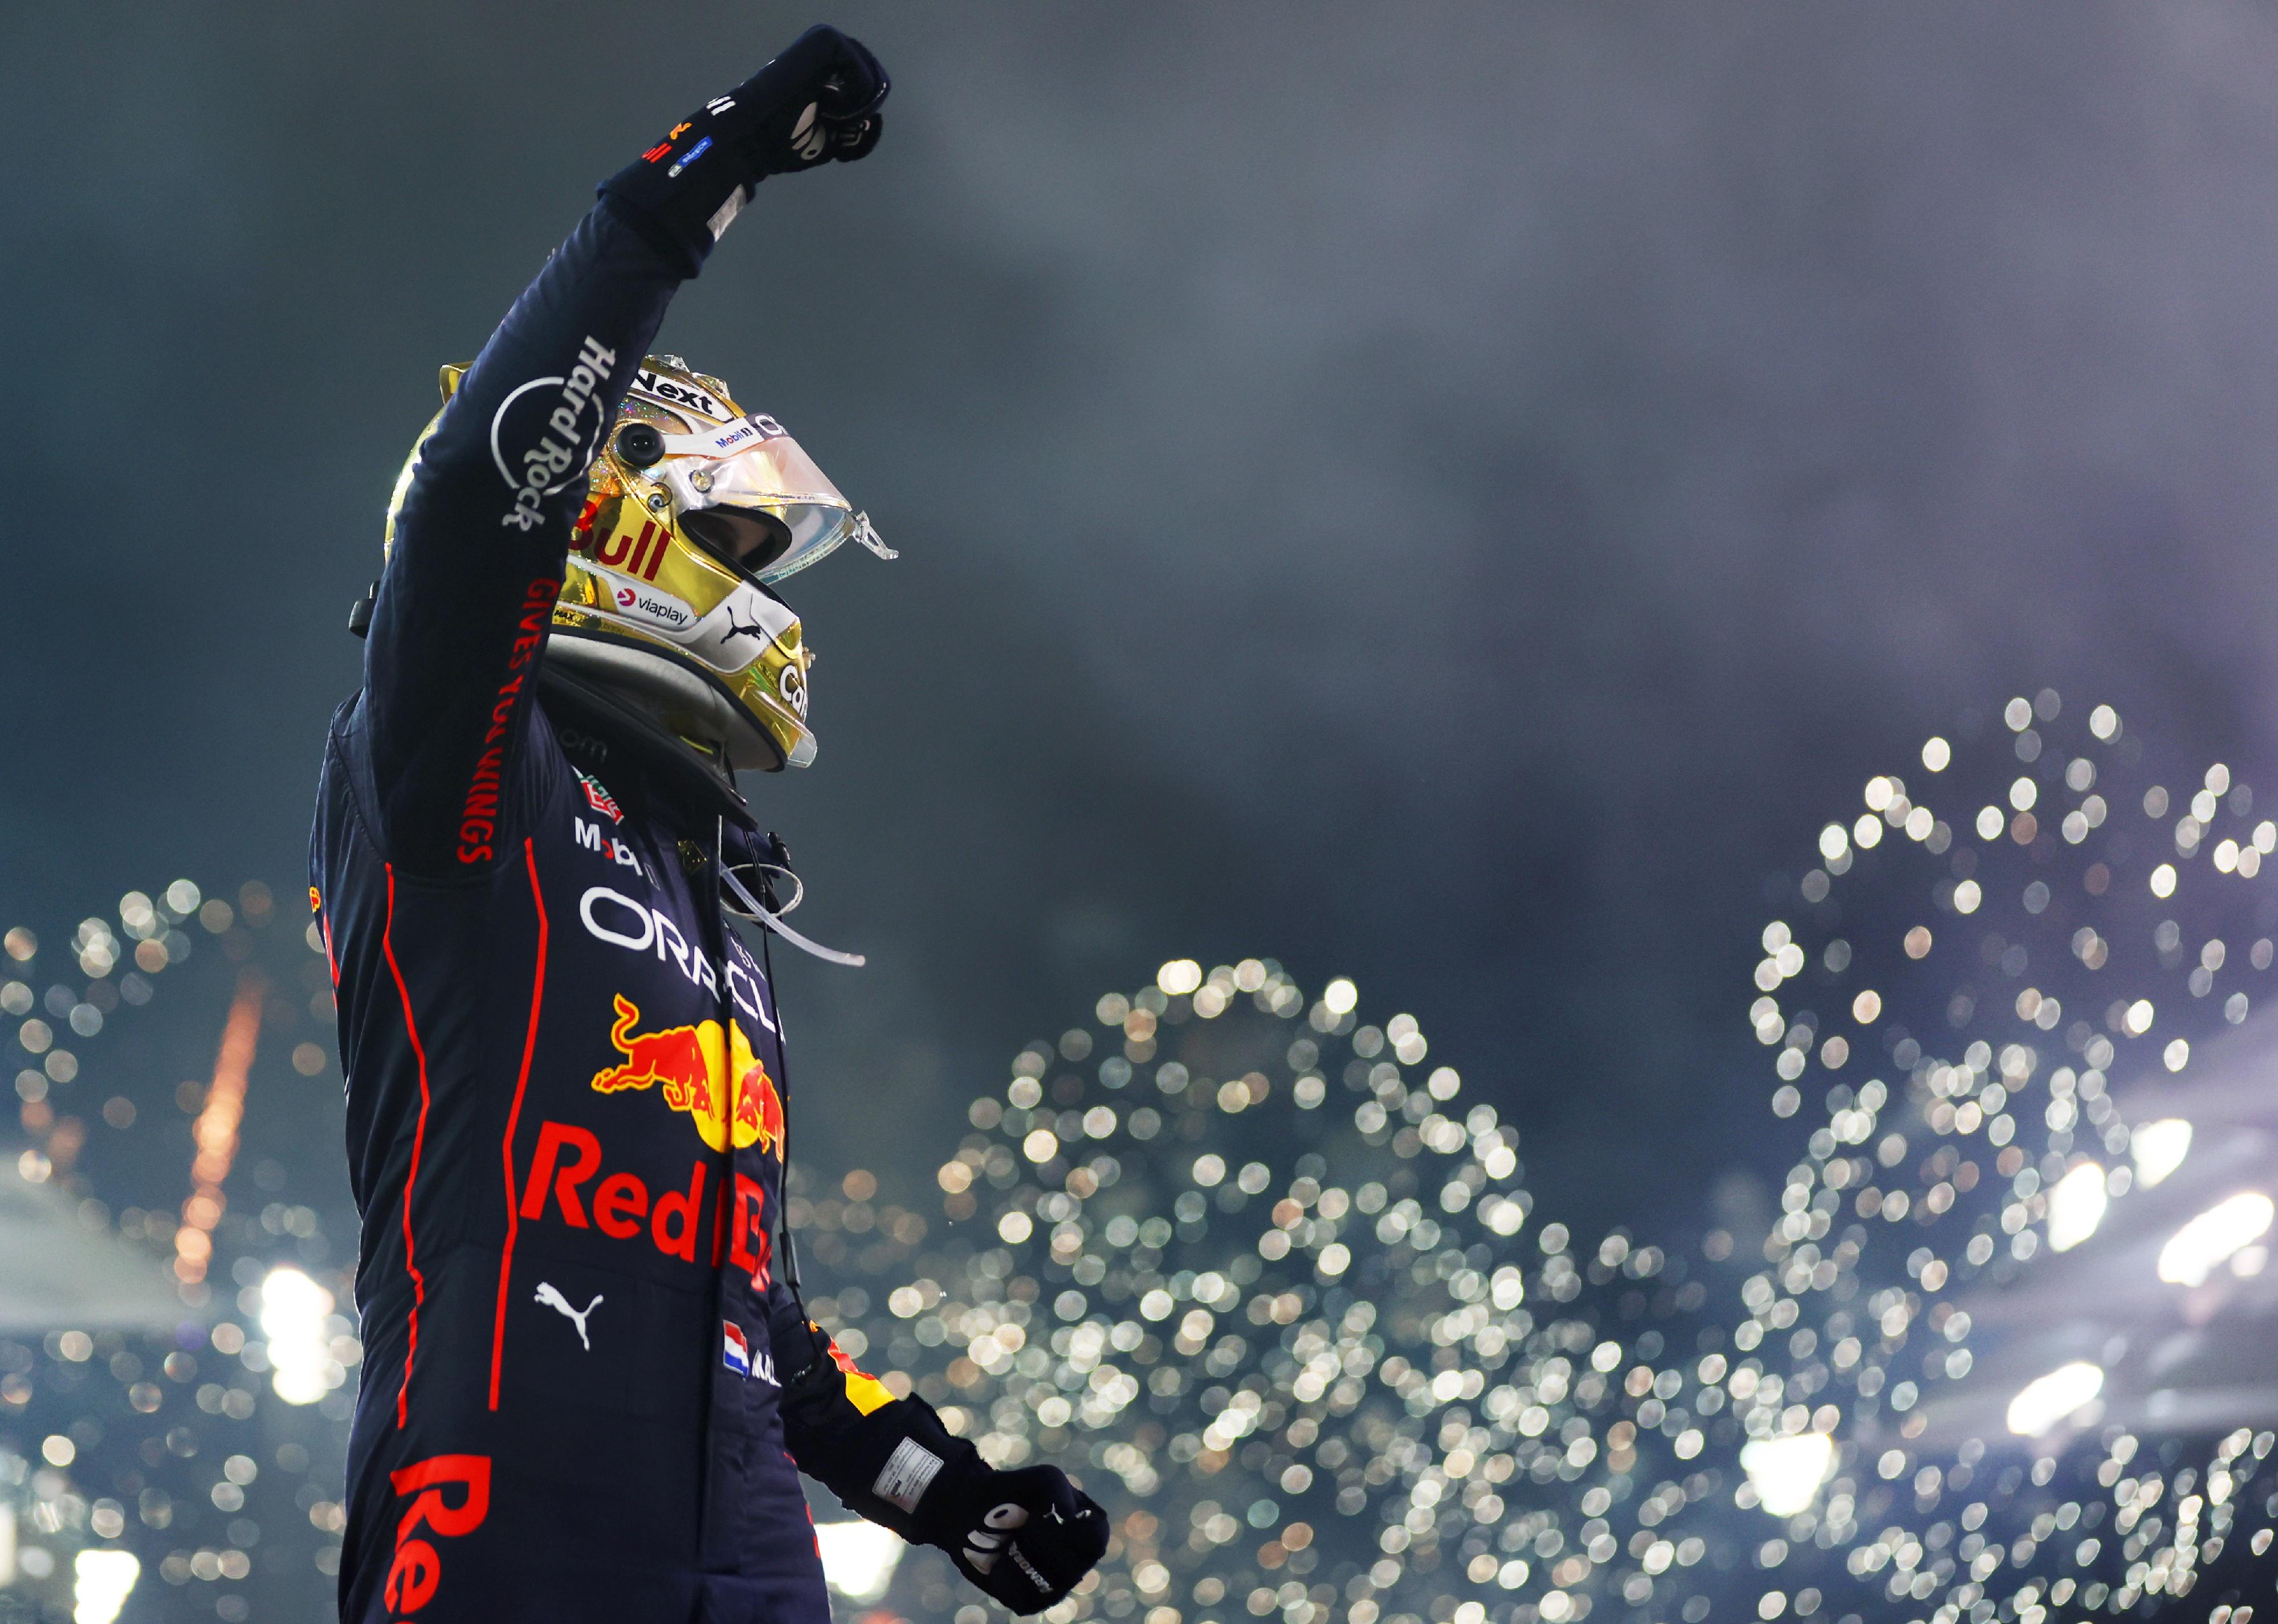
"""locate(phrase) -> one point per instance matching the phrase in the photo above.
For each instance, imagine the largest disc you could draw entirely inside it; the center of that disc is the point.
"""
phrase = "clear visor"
(725, 479)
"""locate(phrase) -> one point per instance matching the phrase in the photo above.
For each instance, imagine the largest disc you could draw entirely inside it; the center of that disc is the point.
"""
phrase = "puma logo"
(559, 1304)
(737, 630)
(808, 138)
(984, 1544)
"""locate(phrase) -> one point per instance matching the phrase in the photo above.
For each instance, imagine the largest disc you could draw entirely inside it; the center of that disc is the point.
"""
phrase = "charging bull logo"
(730, 1095)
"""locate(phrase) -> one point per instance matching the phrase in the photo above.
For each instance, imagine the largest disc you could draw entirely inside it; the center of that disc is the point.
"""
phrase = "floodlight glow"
(858, 1558)
(1787, 1472)
(2214, 1236)
(102, 1582)
(2076, 1204)
(294, 1308)
(2050, 1399)
(2160, 1148)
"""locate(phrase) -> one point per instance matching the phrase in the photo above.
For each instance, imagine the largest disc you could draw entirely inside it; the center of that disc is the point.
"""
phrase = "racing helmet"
(694, 508)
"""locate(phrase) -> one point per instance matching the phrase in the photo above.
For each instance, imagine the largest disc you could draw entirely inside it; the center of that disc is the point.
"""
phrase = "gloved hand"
(1026, 1537)
(816, 102)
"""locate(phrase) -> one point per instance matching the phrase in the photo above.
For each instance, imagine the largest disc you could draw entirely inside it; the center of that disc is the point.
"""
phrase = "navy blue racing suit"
(564, 1072)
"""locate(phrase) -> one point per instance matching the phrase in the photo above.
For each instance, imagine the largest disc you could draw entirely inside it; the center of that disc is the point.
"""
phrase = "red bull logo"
(721, 1084)
(566, 1185)
(417, 1572)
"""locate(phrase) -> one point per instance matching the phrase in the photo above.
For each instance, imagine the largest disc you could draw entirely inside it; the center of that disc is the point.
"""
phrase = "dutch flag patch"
(735, 1349)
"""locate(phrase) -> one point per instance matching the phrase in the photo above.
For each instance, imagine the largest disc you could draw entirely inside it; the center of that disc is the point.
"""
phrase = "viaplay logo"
(734, 1102)
(658, 608)
(558, 421)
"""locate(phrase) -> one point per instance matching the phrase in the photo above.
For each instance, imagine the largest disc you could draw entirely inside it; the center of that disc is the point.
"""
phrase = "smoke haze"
(1454, 496)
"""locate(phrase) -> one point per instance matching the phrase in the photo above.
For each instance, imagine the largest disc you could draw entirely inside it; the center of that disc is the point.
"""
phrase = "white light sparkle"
(1787, 1472)
(858, 1558)
(2209, 1240)
(2046, 1401)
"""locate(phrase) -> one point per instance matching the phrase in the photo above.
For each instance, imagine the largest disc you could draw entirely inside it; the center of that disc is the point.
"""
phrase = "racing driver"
(590, 1385)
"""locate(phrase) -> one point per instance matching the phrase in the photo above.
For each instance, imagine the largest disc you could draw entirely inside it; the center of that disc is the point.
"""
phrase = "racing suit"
(564, 1072)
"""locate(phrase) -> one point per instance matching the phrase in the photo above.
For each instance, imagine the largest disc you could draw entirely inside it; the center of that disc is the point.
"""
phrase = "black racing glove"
(1026, 1537)
(818, 100)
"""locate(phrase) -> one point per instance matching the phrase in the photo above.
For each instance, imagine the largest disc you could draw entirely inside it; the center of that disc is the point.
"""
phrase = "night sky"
(1453, 497)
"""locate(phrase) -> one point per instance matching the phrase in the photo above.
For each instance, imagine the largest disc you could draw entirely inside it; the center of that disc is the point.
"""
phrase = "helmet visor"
(751, 538)
(748, 488)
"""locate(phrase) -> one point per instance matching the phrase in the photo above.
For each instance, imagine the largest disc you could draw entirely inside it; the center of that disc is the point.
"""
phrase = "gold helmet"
(693, 508)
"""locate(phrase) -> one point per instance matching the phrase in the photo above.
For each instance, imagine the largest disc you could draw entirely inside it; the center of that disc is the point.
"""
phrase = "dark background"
(1451, 496)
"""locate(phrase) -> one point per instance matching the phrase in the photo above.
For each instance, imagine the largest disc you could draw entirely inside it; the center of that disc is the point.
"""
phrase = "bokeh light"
(1257, 1265)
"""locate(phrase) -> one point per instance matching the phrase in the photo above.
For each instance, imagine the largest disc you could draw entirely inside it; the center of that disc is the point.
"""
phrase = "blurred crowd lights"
(1273, 1317)
(1995, 1144)
(141, 1464)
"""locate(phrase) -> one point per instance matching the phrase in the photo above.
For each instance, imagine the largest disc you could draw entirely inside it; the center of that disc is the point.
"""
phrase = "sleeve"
(461, 619)
(889, 1461)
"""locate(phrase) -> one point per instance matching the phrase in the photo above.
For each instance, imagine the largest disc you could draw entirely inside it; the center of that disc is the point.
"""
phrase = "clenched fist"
(1026, 1537)
(817, 102)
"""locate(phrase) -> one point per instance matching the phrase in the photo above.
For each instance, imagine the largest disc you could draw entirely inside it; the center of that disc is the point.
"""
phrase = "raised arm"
(484, 513)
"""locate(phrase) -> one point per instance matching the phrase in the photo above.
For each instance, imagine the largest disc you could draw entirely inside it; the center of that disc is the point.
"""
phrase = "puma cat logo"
(736, 629)
(555, 1300)
(984, 1544)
